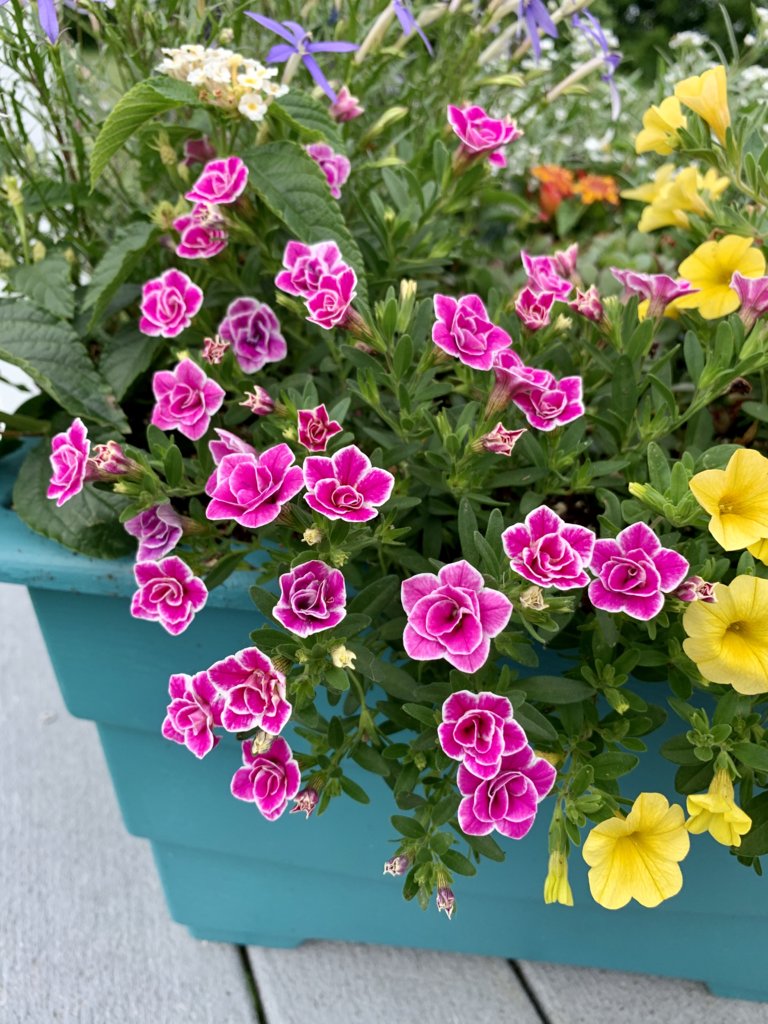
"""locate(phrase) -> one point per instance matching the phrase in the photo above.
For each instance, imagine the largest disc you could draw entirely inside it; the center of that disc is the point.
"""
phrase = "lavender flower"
(49, 21)
(298, 43)
(409, 24)
(536, 17)
(593, 30)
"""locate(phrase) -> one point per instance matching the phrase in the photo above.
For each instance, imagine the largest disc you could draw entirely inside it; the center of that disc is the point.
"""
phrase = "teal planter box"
(231, 876)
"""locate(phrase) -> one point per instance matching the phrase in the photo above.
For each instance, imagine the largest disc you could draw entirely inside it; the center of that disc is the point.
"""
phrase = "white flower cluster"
(225, 79)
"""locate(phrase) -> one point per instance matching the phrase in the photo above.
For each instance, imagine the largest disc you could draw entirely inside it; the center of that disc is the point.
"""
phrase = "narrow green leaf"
(752, 755)
(408, 827)
(353, 790)
(613, 764)
(421, 714)
(458, 863)
(555, 690)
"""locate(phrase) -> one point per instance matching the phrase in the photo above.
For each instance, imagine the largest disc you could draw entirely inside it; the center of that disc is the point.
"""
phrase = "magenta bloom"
(194, 711)
(634, 572)
(69, 461)
(158, 530)
(513, 378)
(202, 231)
(346, 107)
(253, 691)
(534, 308)
(315, 429)
(198, 151)
(268, 780)
(346, 486)
(509, 801)
(169, 593)
(588, 304)
(185, 399)
(329, 306)
(658, 289)
(334, 166)
(222, 181)
(544, 275)
(481, 134)
(553, 403)
(228, 444)
(501, 441)
(253, 330)
(463, 330)
(478, 729)
(753, 295)
(306, 264)
(168, 304)
(452, 615)
(565, 260)
(252, 488)
(549, 552)
(312, 598)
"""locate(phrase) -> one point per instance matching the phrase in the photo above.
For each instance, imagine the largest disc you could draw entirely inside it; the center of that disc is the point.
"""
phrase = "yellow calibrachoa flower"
(728, 639)
(672, 196)
(713, 183)
(737, 499)
(759, 551)
(710, 269)
(717, 812)
(638, 857)
(652, 189)
(556, 886)
(660, 124)
(707, 96)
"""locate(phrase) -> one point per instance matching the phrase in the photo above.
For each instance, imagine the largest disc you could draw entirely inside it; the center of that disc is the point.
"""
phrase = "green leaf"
(457, 862)
(403, 357)
(268, 638)
(306, 116)
(408, 827)
(371, 760)
(752, 755)
(125, 356)
(376, 596)
(173, 466)
(693, 778)
(679, 751)
(351, 625)
(613, 764)
(555, 690)
(537, 727)
(263, 600)
(116, 266)
(755, 842)
(335, 733)
(87, 523)
(395, 681)
(421, 714)
(467, 531)
(337, 678)
(51, 353)
(486, 847)
(356, 792)
(48, 285)
(294, 188)
(223, 568)
(142, 102)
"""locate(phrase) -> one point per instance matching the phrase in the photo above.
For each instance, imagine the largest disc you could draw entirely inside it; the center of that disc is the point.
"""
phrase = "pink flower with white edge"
(169, 593)
(202, 232)
(312, 598)
(452, 615)
(346, 486)
(306, 802)
(221, 182)
(549, 552)
(500, 441)
(534, 308)
(463, 330)
(259, 401)
(316, 429)
(253, 331)
(193, 714)
(305, 265)
(509, 801)
(588, 304)
(753, 296)
(478, 729)
(329, 306)
(228, 444)
(481, 134)
(565, 260)
(696, 589)
(634, 572)
(252, 488)
(553, 404)
(346, 106)
(544, 275)
(185, 399)
(69, 462)
(513, 378)
(658, 290)
(168, 304)
(268, 780)
(253, 692)
(158, 530)
(198, 151)
(110, 460)
(334, 166)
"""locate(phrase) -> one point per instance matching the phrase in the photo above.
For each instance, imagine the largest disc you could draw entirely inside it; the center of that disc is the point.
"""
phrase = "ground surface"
(85, 937)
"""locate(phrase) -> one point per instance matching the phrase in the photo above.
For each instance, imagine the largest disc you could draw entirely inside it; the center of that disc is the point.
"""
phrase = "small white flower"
(252, 106)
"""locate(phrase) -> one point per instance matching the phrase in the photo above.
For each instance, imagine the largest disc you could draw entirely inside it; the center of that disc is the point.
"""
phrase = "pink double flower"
(185, 399)
(169, 593)
(463, 330)
(346, 485)
(268, 779)
(482, 135)
(193, 714)
(252, 487)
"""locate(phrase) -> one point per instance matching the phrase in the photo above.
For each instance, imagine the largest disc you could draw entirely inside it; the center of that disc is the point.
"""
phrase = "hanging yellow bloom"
(671, 196)
(556, 887)
(728, 640)
(638, 857)
(660, 124)
(759, 551)
(713, 183)
(717, 812)
(737, 499)
(710, 269)
(652, 189)
(707, 96)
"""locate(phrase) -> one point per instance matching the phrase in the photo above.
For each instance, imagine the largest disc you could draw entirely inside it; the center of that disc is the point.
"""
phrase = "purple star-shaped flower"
(537, 18)
(593, 30)
(299, 42)
(49, 21)
(409, 24)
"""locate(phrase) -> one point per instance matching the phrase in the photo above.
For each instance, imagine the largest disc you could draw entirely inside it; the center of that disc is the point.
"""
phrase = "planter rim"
(32, 560)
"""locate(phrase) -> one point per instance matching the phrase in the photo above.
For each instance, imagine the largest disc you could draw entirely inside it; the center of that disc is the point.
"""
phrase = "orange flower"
(556, 185)
(597, 188)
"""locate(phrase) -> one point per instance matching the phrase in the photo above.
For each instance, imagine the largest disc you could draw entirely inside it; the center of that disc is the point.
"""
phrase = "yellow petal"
(759, 550)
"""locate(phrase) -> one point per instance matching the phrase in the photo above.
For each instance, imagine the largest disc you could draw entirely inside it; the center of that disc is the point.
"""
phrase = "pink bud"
(214, 349)
(306, 801)
(110, 459)
(397, 865)
(696, 589)
(753, 295)
(258, 401)
(588, 304)
(446, 901)
(499, 440)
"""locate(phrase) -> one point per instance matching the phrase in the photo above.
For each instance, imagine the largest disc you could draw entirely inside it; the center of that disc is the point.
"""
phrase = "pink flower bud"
(346, 107)
(499, 440)
(306, 801)
(397, 866)
(696, 589)
(334, 166)
(258, 401)
(533, 308)
(214, 349)
(588, 304)
(198, 151)
(110, 460)
(753, 295)
(446, 901)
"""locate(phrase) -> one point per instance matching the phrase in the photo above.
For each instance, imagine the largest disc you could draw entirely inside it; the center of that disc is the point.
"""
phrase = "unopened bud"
(697, 589)
(446, 901)
(533, 597)
(38, 252)
(258, 401)
(261, 742)
(312, 536)
(556, 887)
(12, 190)
(342, 657)
(397, 865)
(305, 801)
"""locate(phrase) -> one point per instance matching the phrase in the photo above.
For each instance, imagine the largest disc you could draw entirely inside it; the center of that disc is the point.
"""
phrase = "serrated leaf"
(124, 357)
(294, 188)
(115, 267)
(53, 356)
(307, 117)
(48, 285)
